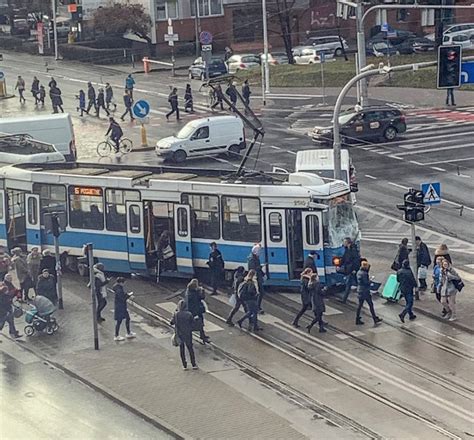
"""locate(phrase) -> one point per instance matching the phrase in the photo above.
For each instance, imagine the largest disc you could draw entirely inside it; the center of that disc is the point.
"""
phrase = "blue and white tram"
(124, 211)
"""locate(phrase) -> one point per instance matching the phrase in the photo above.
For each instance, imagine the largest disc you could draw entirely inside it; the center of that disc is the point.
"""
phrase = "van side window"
(201, 133)
(52, 199)
(115, 202)
(86, 207)
(241, 219)
(205, 220)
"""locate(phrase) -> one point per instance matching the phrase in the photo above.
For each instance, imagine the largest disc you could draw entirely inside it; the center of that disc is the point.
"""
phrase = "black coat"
(48, 262)
(310, 263)
(423, 255)
(127, 101)
(91, 93)
(317, 300)
(194, 303)
(248, 291)
(173, 100)
(246, 91)
(305, 293)
(216, 262)
(121, 297)
(403, 254)
(350, 260)
(47, 287)
(183, 322)
(407, 280)
(232, 94)
(5, 303)
(363, 283)
(253, 262)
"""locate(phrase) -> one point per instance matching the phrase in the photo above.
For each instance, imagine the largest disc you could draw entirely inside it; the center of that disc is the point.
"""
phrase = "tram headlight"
(336, 261)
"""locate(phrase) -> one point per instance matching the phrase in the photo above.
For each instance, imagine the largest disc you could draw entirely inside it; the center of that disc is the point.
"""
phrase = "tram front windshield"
(340, 221)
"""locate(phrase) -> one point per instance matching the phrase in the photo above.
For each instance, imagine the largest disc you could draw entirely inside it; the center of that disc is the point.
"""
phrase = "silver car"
(242, 62)
(330, 43)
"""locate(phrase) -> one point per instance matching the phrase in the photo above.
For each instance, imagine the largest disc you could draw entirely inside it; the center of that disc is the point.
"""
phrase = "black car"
(416, 45)
(370, 123)
(217, 67)
(395, 36)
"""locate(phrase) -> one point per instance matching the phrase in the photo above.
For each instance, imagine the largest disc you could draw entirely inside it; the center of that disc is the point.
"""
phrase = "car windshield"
(250, 59)
(345, 118)
(185, 132)
(216, 62)
(380, 45)
(340, 221)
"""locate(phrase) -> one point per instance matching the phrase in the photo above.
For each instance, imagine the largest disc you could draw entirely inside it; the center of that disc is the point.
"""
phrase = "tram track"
(302, 399)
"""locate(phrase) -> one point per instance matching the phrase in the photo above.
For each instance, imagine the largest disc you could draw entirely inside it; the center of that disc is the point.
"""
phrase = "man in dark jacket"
(246, 93)
(128, 102)
(350, 264)
(219, 96)
(422, 259)
(310, 263)
(407, 285)
(48, 262)
(173, 102)
(91, 97)
(100, 104)
(231, 92)
(403, 252)
(363, 289)
(109, 96)
(216, 266)
(253, 263)
(121, 309)
(46, 286)
(6, 312)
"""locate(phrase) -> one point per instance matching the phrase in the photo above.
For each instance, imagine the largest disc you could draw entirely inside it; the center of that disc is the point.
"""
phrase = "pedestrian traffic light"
(55, 227)
(414, 206)
(449, 67)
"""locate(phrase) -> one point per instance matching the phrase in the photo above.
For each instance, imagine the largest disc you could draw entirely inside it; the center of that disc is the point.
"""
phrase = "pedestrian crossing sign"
(432, 193)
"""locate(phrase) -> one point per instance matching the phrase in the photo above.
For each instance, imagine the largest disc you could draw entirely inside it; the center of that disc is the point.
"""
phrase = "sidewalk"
(145, 376)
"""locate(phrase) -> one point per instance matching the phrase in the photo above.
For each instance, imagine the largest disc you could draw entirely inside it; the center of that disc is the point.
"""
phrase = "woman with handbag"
(402, 255)
(183, 334)
(305, 295)
(194, 303)
(249, 295)
(165, 252)
(450, 284)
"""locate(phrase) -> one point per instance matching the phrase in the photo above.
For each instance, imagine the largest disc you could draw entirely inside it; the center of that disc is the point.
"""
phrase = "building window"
(166, 9)
(312, 229)
(207, 8)
(115, 200)
(276, 229)
(205, 222)
(86, 207)
(241, 219)
(52, 199)
(427, 17)
(381, 17)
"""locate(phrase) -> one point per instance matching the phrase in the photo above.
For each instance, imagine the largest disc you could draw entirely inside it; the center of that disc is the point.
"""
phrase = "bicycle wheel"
(104, 149)
(125, 146)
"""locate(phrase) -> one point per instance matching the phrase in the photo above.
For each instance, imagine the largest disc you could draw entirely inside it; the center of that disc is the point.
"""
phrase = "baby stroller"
(40, 318)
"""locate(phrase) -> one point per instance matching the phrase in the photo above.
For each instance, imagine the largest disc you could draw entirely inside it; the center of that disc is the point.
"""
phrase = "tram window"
(312, 229)
(241, 219)
(205, 222)
(52, 199)
(32, 211)
(182, 222)
(1, 206)
(115, 203)
(86, 208)
(134, 219)
(276, 230)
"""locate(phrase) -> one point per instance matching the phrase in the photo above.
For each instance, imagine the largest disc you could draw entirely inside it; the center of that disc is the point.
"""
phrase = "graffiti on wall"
(323, 14)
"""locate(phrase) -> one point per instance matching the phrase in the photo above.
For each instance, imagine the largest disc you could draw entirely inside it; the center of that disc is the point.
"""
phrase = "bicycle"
(105, 148)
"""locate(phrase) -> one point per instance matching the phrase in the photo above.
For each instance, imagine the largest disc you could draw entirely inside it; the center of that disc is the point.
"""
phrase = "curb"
(111, 395)
(143, 149)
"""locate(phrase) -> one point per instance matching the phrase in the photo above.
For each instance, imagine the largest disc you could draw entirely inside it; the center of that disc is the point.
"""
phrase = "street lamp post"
(266, 78)
(55, 30)
(196, 26)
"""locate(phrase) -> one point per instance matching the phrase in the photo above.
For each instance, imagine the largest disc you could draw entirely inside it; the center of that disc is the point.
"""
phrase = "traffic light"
(449, 67)
(55, 226)
(414, 206)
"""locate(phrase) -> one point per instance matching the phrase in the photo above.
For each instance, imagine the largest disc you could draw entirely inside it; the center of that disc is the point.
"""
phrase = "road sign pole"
(413, 259)
(143, 133)
(322, 78)
(59, 275)
(90, 259)
(55, 30)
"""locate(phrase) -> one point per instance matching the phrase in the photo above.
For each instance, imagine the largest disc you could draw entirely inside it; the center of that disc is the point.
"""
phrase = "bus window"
(241, 219)
(276, 233)
(115, 200)
(205, 222)
(86, 207)
(312, 229)
(52, 199)
(32, 210)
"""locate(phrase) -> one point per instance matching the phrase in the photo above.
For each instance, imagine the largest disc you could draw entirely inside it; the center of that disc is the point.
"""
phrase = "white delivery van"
(321, 162)
(204, 137)
(51, 129)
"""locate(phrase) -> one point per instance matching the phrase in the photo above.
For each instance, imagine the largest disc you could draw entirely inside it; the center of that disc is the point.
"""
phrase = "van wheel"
(234, 151)
(179, 156)
(390, 133)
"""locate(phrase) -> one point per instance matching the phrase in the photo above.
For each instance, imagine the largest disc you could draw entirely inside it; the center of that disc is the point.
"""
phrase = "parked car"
(310, 55)
(242, 62)
(377, 122)
(415, 45)
(275, 58)
(380, 49)
(395, 36)
(217, 67)
(465, 28)
(458, 38)
(330, 43)
(20, 27)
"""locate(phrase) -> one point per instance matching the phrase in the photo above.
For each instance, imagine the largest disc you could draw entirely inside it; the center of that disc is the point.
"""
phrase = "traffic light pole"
(59, 275)
(90, 259)
(413, 262)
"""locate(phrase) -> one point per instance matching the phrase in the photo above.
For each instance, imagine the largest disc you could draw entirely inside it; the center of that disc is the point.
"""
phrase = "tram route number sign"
(87, 191)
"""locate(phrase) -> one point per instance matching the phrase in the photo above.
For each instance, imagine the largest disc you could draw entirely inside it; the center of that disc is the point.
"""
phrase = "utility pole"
(90, 259)
(364, 98)
(265, 48)
(196, 26)
(55, 30)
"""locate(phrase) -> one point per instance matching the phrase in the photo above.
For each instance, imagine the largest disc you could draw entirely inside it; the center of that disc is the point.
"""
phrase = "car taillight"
(336, 261)
(402, 118)
(242, 65)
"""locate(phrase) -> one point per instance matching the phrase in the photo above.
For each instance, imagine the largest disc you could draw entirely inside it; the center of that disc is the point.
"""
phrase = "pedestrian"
(48, 262)
(443, 251)
(436, 284)
(20, 86)
(216, 266)
(194, 303)
(173, 102)
(402, 255)
(91, 97)
(14, 292)
(42, 95)
(46, 286)
(82, 102)
(56, 100)
(249, 295)
(253, 263)
(33, 260)
(310, 263)
(450, 96)
(4, 262)
(129, 84)
(448, 289)
(35, 88)
(100, 281)
(305, 295)
(350, 264)
(231, 92)
(183, 324)
(115, 132)
(109, 96)
(317, 302)
(228, 52)
(188, 99)
(423, 261)
(21, 269)
(246, 94)
(363, 289)
(128, 102)
(407, 287)
(6, 312)
(211, 96)
(100, 103)
(239, 276)
(218, 98)
(121, 309)
(52, 83)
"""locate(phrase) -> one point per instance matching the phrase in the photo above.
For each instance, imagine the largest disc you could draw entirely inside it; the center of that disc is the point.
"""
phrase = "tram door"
(182, 236)
(3, 220)
(312, 238)
(295, 243)
(276, 244)
(135, 236)
(33, 226)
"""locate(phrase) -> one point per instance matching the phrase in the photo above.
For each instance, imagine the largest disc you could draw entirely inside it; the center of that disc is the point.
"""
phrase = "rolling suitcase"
(391, 290)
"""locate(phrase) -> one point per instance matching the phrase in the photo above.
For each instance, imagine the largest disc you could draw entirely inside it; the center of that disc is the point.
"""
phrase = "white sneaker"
(131, 335)
(119, 338)
(453, 318)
